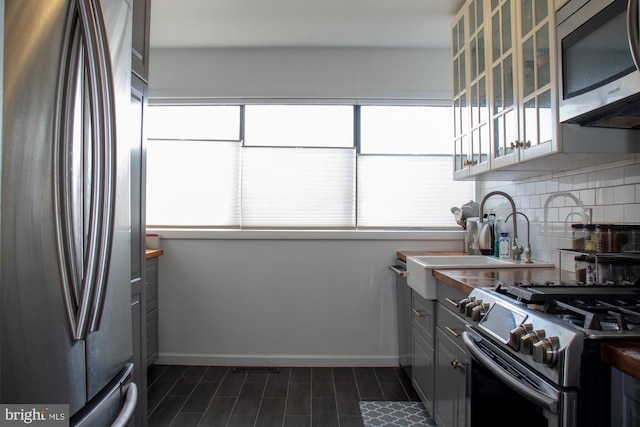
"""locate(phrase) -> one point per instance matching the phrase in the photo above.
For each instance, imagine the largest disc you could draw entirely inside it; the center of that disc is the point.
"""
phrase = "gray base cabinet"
(625, 399)
(450, 409)
(439, 373)
(152, 311)
(423, 326)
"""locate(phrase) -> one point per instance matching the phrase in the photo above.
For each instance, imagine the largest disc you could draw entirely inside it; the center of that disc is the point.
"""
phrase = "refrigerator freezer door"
(115, 403)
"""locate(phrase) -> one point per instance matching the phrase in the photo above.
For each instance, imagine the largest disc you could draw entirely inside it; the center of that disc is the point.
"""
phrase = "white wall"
(281, 302)
(352, 73)
(288, 302)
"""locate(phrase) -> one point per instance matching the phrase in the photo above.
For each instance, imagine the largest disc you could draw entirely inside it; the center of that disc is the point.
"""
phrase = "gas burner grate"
(597, 314)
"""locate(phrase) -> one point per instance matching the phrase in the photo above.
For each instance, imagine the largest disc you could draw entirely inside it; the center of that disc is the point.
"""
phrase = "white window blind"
(408, 191)
(193, 183)
(299, 125)
(298, 187)
(193, 122)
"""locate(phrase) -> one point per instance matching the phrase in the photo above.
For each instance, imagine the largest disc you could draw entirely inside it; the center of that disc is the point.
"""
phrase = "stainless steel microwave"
(598, 63)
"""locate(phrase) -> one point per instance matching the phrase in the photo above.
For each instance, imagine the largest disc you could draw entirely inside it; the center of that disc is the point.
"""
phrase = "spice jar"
(630, 238)
(581, 268)
(590, 242)
(577, 237)
(590, 275)
(616, 270)
(608, 238)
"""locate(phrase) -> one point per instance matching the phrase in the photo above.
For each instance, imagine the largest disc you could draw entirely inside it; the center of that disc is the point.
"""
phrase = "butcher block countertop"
(153, 253)
(624, 355)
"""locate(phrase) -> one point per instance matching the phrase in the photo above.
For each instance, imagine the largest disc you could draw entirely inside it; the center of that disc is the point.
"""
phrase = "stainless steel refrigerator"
(65, 313)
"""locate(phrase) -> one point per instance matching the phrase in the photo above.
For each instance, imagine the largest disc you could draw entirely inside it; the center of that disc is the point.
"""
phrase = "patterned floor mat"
(395, 414)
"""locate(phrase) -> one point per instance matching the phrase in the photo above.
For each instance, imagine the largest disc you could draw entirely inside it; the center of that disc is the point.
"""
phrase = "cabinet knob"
(457, 364)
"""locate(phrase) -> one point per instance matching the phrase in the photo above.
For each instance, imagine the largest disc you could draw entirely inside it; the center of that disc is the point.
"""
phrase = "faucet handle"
(516, 250)
(527, 254)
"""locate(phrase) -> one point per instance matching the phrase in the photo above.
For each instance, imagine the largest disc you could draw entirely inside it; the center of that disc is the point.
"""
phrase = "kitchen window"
(301, 167)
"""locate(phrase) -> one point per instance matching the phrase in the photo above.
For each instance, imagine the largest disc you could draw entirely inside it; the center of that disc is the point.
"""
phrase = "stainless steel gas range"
(535, 351)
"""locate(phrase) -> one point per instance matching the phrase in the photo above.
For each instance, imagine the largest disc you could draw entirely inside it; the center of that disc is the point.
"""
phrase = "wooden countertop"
(153, 253)
(624, 356)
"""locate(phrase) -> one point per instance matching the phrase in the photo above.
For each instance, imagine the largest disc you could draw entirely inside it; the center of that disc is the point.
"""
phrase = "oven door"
(503, 392)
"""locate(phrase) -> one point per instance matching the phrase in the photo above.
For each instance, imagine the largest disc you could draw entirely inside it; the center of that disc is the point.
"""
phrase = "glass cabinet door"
(504, 110)
(537, 32)
(460, 104)
(472, 138)
(480, 143)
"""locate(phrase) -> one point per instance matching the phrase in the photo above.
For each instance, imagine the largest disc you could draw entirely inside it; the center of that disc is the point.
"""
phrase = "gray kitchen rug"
(395, 414)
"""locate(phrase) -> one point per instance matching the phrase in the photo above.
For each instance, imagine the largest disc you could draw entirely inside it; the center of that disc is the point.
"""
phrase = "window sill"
(220, 234)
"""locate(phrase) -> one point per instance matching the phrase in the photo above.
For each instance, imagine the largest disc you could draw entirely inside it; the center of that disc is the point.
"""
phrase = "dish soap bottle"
(505, 246)
(496, 242)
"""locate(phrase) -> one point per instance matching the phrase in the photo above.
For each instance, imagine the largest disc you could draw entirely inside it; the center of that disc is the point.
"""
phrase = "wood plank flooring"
(188, 396)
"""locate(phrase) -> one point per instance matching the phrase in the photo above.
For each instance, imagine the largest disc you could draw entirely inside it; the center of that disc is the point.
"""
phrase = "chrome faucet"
(516, 249)
(527, 249)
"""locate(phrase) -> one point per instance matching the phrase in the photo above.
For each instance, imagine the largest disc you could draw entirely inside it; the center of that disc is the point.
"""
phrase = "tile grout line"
(190, 394)
(237, 397)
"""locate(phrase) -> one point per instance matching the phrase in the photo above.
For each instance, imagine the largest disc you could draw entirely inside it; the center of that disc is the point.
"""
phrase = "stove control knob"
(463, 303)
(527, 341)
(516, 335)
(546, 350)
(468, 309)
(478, 312)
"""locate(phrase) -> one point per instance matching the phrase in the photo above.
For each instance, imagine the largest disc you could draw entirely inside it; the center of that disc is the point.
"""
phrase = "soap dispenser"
(505, 246)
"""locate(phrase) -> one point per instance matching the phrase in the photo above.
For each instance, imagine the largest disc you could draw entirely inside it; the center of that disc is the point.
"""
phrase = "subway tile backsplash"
(607, 193)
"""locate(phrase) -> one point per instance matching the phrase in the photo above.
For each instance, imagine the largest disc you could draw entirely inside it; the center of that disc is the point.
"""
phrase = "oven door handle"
(525, 390)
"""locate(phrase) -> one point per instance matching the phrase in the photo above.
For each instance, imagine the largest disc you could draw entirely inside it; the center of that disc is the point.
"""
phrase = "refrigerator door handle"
(130, 401)
(108, 141)
(84, 166)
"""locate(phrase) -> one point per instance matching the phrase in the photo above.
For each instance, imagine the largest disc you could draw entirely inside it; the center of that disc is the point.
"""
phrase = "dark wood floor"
(285, 397)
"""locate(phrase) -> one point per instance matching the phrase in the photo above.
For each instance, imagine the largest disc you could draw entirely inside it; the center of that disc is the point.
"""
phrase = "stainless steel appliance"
(65, 310)
(598, 63)
(535, 351)
(403, 303)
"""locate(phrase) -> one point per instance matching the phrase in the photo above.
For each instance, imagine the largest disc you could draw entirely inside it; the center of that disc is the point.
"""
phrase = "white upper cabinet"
(504, 84)
(472, 137)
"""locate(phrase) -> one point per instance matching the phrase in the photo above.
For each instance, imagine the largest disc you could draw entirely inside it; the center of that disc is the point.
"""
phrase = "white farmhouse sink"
(419, 268)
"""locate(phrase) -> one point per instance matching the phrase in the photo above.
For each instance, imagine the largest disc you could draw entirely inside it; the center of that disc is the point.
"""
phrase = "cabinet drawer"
(450, 297)
(450, 324)
(423, 316)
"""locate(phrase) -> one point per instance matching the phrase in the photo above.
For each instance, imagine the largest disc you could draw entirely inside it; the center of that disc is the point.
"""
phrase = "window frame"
(366, 232)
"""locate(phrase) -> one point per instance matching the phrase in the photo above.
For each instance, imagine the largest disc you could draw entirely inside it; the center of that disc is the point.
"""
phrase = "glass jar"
(590, 267)
(608, 238)
(577, 237)
(581, 268)
(590, 242)
(630, 238)
(616, 270)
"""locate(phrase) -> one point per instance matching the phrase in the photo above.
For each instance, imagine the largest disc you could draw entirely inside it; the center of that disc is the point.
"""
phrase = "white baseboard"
(276, 360)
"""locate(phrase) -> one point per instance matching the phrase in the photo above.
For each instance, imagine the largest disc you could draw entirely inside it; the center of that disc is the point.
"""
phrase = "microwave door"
(633, 31)
(597, 70)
